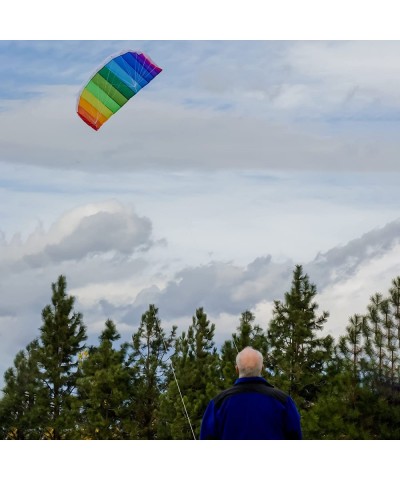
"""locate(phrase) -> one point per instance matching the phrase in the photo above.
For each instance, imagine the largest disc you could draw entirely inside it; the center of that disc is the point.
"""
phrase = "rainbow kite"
(113, 85)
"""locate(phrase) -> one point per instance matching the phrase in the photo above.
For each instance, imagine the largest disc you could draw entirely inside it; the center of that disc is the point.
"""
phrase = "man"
(252, 409)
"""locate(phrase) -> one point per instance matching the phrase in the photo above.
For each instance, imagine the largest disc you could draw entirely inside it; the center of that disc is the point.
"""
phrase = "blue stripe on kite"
(138, 66)
(138, 63)
(123, 76)
(132, 72)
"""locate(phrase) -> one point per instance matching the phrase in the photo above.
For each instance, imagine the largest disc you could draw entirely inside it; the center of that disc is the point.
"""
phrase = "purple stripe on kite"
(138, 67)
(146, 62)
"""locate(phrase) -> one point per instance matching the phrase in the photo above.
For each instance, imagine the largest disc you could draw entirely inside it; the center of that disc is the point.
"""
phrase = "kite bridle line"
(176, 381)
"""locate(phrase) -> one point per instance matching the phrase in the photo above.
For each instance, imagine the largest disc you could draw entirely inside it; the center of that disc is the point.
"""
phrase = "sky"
(245, 156)
(240, 160)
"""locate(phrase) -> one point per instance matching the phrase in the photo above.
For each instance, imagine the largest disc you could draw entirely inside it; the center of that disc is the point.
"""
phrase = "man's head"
(249, 363)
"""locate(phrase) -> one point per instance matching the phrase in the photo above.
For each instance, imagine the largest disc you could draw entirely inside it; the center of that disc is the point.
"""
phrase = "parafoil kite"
(118, 80)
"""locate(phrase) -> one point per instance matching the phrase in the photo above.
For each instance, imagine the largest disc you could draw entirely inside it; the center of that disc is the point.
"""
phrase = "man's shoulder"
(260, 387)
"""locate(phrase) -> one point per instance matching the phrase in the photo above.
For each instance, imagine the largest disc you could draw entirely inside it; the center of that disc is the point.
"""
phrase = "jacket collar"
(253, 380)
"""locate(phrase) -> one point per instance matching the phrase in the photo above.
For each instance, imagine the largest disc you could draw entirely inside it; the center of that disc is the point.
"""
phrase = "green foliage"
(158, 386)
(103, 390)
(61, 340)
(21, 408)
(147, 360)
(195, 365)
(298, 357)
(361, 398)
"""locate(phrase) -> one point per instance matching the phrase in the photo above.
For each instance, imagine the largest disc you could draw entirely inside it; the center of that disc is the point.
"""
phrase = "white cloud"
(264, 119)
(348, 296)
(204, 190)
(93, 229)
(119, 281)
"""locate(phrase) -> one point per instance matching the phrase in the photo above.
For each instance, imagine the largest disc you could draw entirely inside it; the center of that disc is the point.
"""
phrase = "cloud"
(225, 288)
(94, 229)
(108, 275)
(103, 243)
(213, 115)
(343, 78)
(238, 158)
(99, 233)
(152, 135)
(137, 138)
(343, 262)
(119, 279)
(349, 295)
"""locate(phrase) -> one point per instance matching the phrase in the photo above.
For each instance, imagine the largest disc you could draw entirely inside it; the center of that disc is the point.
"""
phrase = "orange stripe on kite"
(89, 119)
(98, 118)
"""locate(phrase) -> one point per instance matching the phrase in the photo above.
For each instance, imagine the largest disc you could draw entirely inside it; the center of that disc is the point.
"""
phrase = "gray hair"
(249, 362)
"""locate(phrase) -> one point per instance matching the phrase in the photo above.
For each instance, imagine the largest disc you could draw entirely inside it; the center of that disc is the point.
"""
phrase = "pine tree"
(384, 361)
(394, 300)
(375, 348)
(148, 363)
(363, 391)
(351, 345)
(103, 390)
(61, 340)
(298, 357)
(20, 407)
(383, 351)
(197, 379)
(391, 341)
(343, 410)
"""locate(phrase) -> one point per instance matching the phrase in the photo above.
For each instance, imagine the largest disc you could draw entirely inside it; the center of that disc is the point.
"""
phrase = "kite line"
(176, 381)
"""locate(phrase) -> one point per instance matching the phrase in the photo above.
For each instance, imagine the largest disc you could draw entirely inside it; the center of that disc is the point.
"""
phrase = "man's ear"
(237, 369)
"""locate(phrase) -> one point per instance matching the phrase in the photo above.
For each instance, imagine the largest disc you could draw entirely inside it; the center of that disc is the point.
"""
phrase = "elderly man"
(252, 409)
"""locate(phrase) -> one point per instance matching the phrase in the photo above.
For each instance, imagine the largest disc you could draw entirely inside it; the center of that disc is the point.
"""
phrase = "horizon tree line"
(158, 384)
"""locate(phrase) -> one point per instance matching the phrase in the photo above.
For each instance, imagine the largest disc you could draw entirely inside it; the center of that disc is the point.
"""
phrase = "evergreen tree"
(375, 347)
(343, 410)
(391, 341)
(103, 390)
(383, 352)
(147, 359)
(61, 340)
(351, 345)
(298, 357)
(195, 381)
(248, 335)
(394, 300)
(384, 361)
(20, 407)
(363, 392)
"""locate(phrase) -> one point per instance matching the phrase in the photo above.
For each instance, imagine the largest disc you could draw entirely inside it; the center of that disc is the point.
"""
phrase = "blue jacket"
(252, 409)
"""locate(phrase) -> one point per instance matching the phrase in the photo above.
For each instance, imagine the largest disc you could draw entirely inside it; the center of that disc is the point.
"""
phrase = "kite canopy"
(113, 85)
